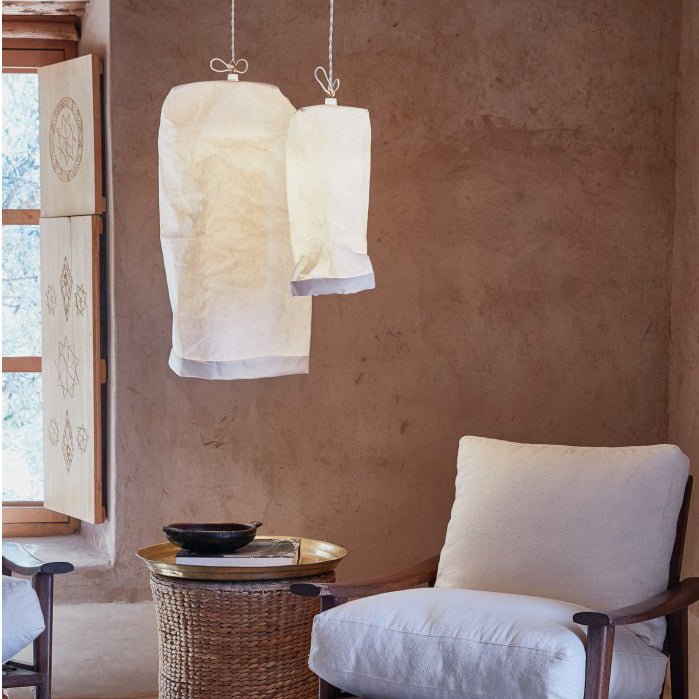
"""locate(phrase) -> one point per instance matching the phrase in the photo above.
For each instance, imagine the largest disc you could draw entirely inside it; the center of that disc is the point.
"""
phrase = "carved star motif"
(67, 367)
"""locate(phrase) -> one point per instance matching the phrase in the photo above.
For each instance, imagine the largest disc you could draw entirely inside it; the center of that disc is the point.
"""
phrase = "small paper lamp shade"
(224, 230)
(328, 162)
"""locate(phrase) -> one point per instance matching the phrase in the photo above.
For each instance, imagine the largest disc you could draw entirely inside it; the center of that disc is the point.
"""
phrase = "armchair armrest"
(419, 574)
(17, 559)
(674, 599)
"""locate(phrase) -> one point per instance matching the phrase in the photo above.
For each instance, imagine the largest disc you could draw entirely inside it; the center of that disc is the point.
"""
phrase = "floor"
(103, 651)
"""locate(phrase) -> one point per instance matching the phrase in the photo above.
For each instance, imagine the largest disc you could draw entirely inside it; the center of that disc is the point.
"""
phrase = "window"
(22, 459)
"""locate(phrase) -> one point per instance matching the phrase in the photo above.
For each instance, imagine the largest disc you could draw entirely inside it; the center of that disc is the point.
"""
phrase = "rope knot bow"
(330, 86)
(235, 66)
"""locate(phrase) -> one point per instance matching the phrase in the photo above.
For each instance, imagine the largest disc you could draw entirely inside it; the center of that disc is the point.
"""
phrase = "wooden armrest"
(674, 599)
(419, 574)
(18, 560)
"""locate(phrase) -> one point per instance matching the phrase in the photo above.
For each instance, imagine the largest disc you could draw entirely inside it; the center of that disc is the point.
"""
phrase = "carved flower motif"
(66, 139)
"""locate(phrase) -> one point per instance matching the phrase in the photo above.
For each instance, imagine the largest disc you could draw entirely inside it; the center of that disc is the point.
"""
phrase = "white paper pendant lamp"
(328, 164)
(328, 160)
(225, 232)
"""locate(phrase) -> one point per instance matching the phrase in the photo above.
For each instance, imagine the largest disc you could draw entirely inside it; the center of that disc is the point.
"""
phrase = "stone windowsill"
(73, 548)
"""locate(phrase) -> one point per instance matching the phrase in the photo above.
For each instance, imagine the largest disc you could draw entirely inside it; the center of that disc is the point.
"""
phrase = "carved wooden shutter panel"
(71, 203)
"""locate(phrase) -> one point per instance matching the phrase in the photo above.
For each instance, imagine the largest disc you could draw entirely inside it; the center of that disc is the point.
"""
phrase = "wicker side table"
(234, 640)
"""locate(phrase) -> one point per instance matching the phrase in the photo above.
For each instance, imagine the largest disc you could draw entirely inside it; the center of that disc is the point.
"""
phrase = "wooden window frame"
(24, 55)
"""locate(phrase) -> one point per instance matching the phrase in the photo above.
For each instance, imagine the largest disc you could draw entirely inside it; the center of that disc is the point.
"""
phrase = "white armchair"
(27, 617)
(539, 537)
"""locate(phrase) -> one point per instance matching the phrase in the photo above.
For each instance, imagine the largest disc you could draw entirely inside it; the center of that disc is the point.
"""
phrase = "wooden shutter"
(71, 143)
(71, 203)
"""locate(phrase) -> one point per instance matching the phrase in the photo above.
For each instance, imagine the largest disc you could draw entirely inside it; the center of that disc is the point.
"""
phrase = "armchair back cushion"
(22, 619)
(590, 525)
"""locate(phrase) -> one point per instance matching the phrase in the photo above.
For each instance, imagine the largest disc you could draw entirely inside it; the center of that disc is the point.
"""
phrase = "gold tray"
(317, 557)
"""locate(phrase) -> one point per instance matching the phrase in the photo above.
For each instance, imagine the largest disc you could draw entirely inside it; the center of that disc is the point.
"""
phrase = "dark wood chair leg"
(679, 660)
(598, 666)
(327, 691)
(43, 584)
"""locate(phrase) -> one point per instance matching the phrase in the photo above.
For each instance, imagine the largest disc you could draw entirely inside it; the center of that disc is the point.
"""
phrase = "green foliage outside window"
(21, 304)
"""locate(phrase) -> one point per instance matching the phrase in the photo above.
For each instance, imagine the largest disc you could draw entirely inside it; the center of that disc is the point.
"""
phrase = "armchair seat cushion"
(22, 620)
(470, 644)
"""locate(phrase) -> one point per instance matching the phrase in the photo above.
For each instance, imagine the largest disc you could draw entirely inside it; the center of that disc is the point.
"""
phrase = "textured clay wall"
(94, 38)
(521, 211)
(684, 365)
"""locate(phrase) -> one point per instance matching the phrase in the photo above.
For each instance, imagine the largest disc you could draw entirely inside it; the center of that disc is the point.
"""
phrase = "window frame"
(32, 518)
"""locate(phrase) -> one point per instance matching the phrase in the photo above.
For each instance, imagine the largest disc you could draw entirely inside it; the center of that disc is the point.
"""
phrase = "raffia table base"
(234, 640)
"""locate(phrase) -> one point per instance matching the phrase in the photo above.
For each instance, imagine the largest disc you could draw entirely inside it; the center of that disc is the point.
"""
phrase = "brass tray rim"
(171, 569)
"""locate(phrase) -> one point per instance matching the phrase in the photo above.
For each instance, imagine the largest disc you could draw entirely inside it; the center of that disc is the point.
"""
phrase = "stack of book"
(257, 554)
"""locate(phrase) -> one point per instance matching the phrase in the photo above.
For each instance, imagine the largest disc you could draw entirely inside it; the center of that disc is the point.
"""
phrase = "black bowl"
(211, 538)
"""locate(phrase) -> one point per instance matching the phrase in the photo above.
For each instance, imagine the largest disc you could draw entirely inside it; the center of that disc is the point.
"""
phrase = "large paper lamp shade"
(224, 230)
(328, 161)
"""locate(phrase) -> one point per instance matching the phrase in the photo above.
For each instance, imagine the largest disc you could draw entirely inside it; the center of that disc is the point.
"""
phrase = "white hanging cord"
(218, 65)
(325, 78)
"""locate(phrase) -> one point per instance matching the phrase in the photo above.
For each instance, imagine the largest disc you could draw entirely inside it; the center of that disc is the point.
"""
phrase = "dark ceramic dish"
(211, 538)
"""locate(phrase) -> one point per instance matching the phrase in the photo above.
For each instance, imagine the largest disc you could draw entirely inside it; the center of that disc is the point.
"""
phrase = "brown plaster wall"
(94, 38)
(684, 365)
(521, 213)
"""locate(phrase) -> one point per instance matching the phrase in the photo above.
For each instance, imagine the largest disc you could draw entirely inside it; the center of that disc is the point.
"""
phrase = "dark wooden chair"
(672, 604)
(17, 560)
